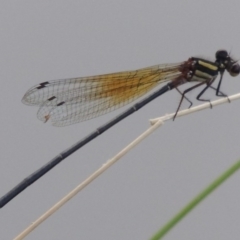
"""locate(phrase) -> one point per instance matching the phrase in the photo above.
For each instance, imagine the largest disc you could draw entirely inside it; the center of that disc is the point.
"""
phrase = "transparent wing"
(73, 100)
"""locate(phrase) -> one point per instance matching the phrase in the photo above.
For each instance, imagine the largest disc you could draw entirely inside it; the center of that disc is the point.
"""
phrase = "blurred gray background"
(46, 40)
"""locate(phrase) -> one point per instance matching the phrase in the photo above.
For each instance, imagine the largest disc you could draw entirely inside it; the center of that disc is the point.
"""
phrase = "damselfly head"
(232, 66)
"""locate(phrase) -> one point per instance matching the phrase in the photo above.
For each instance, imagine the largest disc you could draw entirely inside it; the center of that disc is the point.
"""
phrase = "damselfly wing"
(74, 100)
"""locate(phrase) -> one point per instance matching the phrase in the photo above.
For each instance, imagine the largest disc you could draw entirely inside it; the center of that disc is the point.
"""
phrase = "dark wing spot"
(51, 98)
(42, 85)
(61, 103)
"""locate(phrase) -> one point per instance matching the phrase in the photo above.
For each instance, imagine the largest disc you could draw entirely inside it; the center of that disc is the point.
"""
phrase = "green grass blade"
(169, 225)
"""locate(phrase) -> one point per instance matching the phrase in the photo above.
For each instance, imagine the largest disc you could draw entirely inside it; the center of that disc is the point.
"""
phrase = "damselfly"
(73, 100)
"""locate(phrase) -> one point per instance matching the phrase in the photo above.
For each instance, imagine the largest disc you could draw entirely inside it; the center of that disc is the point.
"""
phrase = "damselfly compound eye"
(234, 70)
(222, 55)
